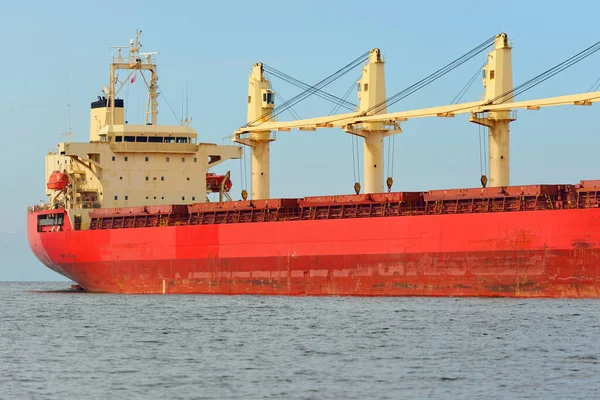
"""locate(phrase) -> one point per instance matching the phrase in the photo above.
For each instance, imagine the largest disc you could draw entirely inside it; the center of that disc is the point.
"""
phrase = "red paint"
(543, 253)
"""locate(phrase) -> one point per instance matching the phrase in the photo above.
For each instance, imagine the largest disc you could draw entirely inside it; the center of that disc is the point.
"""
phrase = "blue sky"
(211, 46)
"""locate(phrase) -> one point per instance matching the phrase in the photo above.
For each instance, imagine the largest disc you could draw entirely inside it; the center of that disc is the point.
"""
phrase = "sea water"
(99, 346)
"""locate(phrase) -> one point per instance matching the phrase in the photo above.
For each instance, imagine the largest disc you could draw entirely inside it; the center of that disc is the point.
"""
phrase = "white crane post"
(497, 80)
(371, 91)
(260, 107)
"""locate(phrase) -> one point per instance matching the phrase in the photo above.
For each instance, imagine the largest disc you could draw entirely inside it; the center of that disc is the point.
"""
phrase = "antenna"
(69, 133)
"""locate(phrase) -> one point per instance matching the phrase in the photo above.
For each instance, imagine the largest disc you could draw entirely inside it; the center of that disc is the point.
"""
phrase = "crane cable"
(325, 95)
(312, 89)
(291, 110)
(549, 73)
(343, 99)
(467, 86)
(430, 78)
(308, 92)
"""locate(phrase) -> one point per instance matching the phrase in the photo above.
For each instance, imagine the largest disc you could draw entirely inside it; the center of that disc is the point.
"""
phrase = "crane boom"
(474, 107)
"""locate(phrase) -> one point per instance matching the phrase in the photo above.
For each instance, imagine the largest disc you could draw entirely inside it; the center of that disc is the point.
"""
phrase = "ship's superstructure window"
(181, 140)
(146, 178)
(116, 197)
(141, 139)
(118, 138)
(146, 159)
(167, 159)
(188, 178)
(182, 159)
(113, 158)
(195, 159)
(193, 198)
(162, 178)
(126, 158)
(366, 87)
(183, 198)
(126, 197)
(155, 139)
(169, 140)
(130, 138)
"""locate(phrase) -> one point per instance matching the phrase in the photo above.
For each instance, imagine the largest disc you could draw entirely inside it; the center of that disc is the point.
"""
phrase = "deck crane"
(494, 112)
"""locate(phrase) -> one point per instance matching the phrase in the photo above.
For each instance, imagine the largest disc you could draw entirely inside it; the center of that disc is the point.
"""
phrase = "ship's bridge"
(150, 138)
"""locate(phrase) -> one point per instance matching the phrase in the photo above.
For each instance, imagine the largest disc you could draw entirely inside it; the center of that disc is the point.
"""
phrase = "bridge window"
(141, 139)
(270, 98)
(169, 140)
(118, 138)
(181, 140)
(155, 139)
(130, 138)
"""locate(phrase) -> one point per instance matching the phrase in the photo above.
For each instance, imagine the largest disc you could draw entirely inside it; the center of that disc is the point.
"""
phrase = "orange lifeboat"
(214, 181)
(57, 181)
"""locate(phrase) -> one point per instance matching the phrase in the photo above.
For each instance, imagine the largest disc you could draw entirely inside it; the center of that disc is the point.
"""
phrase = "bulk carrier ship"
(127, 212)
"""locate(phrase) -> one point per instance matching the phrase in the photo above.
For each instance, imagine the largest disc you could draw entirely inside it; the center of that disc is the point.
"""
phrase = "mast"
(134, 64)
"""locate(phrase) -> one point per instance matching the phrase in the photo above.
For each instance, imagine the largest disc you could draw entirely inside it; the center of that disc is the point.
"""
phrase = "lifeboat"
(57, 181)
(214, 182)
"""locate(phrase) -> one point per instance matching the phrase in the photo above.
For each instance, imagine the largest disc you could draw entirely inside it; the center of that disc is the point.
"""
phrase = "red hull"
(551, 253)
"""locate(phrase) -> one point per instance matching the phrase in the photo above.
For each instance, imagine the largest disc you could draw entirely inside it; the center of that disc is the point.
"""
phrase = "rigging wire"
(327, 96)
(430, 78)
(291, 110)
(126, 101)
(352, 137)
(339, 104)
(595, 86)
(171, 108)
(308, 92)
(467, 86)
(357, 161)
(393, 153)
